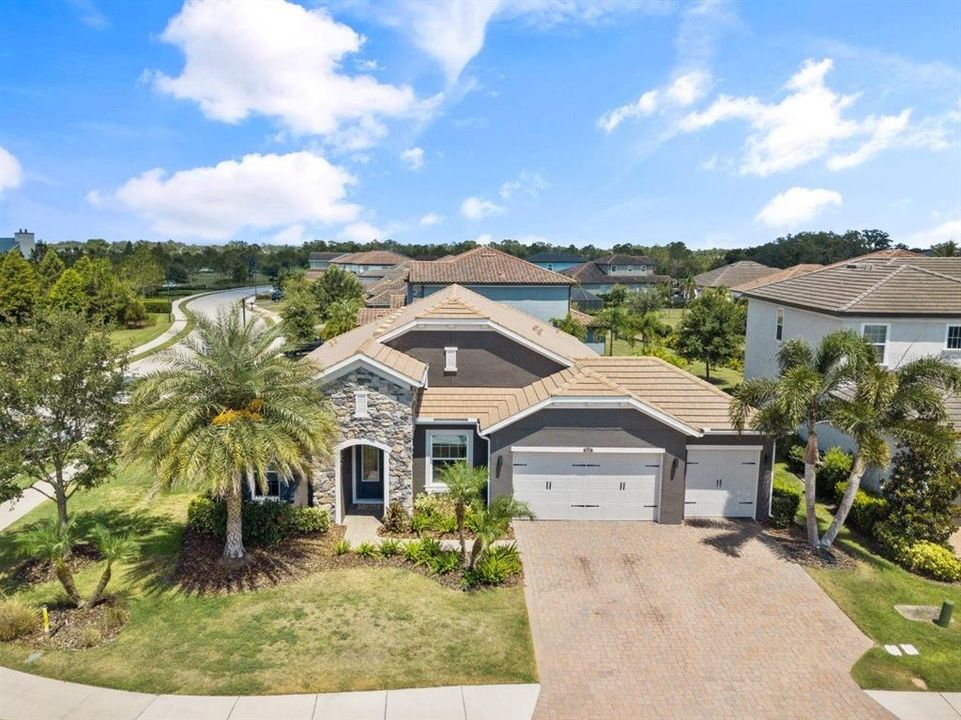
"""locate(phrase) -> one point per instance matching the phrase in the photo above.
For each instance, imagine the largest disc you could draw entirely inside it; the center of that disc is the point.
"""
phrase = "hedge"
(931, 559)
(264, 523)
(866, 511)
(785, 501)
(157, 305)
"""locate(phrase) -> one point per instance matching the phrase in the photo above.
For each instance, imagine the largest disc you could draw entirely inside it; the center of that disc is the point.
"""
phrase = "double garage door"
(588, 485)
(599, 484)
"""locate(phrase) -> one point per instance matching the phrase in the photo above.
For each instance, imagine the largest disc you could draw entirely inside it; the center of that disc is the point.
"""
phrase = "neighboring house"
(361, 262)
(322, 260)
(457, 377)
(733, 275)
(497, 276)
(596, 333)
(907, 306)
(634, 272)
(585, 300)
(778, 276)
(556, 261)
(22, 240)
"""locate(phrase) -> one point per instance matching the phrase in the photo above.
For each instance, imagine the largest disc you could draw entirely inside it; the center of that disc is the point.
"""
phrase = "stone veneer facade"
(390, 420)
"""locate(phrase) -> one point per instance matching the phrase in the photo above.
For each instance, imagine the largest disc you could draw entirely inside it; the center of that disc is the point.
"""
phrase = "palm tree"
(802, 396)
(491, 522)
(905, 405)
(341, 317)
(224, 413)
(113, 548)
(464, 486)
(52, 542)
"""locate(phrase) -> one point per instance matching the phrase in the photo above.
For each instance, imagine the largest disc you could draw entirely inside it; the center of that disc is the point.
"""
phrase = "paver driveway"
(640, 620)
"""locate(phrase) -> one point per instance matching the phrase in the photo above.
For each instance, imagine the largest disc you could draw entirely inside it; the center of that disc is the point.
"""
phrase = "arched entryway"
(362, 476)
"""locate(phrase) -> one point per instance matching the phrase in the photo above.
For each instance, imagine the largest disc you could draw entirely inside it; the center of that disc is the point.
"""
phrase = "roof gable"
(734, 274)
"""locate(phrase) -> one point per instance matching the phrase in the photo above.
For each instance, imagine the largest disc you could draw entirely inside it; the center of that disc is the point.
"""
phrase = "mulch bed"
(35, 570)
(791, 544)
(411, 535)
(76, 629)
(201, 570)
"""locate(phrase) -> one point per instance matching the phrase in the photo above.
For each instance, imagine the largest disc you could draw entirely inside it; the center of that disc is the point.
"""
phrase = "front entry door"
(368, 474)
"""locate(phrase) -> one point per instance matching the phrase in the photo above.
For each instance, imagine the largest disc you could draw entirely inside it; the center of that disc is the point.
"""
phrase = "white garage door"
(721, 482)
(578, 485)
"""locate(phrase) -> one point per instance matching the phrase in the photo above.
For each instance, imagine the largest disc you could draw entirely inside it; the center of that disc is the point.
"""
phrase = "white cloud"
(431, 219)
(527, 182)
(414, 157)
(476, 208)
(531, 239)
(810, 123)
(11, 174)
(257, 192)
(90, 14)
(362, 232)
(293, 235)
(453, 32)
(796, 206)
(484, 239)
(281, 60)
(685, 90)
(950, 230)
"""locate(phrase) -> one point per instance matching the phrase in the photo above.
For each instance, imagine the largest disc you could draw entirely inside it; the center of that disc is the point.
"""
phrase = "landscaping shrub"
(920, 493)
(366, 549)
(389, 548)
(90, 637)
(494, 567)
(932, 560)
(342, 547)
(433, 512)
(157, 305)
(835, 468)
(16, 619)
(396, 520)
(785, 501)
(868, 509)
(116, 616)
(795, 458)
(412, 551)
(266, 523)
(444, 562)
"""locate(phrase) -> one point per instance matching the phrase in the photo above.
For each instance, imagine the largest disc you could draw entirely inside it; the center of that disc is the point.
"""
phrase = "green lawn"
(868, 593)
(338, 630)
(158, 323)
(671, 316)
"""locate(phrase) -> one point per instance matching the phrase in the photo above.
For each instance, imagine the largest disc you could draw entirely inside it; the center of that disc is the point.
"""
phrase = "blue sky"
(720, 124)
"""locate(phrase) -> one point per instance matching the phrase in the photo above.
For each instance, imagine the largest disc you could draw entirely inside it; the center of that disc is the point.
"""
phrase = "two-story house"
(361, 262)
(634, 272)
(457, 377)
(322, 260)
(907, 307)
(555, 261)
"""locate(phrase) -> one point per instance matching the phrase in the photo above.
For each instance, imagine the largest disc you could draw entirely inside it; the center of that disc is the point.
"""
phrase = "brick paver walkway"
(640, 620)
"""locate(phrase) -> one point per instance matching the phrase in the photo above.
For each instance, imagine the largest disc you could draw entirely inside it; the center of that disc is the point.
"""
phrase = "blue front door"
(368, 468)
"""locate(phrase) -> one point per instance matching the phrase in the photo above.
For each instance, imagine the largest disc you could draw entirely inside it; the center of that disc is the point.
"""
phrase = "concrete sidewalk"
(919, 705)
(178, 324)
(13, 510)
(29, 697)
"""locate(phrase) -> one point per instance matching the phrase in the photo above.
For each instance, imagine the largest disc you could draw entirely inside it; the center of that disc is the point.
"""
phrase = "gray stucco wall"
(484, 358)
(541, 301)
(420, 451)
(390, 422)
(617, 428)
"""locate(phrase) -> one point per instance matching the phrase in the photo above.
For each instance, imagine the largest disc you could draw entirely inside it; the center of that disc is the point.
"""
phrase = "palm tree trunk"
(475, 551)
(459, 514)
(101, 586)
(234, 549)
(810, 483)
(66, 579)
(854, 482)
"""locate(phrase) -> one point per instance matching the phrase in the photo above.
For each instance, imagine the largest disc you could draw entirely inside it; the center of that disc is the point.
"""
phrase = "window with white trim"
(270, 489)
(952, 338)
(450, 359)
(779, 324)
(360, 404)
(877, 336)
(446, 447)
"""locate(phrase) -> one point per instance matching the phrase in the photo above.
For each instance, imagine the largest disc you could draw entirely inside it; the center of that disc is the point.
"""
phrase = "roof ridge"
(931, 272)
(858, 298)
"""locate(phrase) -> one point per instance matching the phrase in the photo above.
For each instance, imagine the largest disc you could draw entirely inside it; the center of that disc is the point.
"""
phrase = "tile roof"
(621, 259)
(370, 314)
(328, 256)
(733, 275)
(906, 287)
(454, 303)
(648, 380)
(584, 318)
(554, 257)
(785, 274)
(483, 266)
(589, 273)
(371, 257)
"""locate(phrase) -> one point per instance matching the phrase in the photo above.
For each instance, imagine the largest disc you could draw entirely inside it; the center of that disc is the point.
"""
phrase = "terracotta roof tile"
(483, 266)
(778, 276)
(734, 274)
(371, 257)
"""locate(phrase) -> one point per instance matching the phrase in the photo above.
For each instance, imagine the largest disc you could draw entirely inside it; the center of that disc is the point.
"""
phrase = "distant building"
(321, 260)
(634, 272)
(733, 275)
(23, 240)
(555, 261)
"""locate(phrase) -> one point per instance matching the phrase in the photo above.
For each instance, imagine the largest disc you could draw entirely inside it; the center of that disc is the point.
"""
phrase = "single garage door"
(588, 484)
(721, 482)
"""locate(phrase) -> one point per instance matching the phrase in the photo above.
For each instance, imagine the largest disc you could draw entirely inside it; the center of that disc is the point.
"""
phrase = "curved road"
(208, 306)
